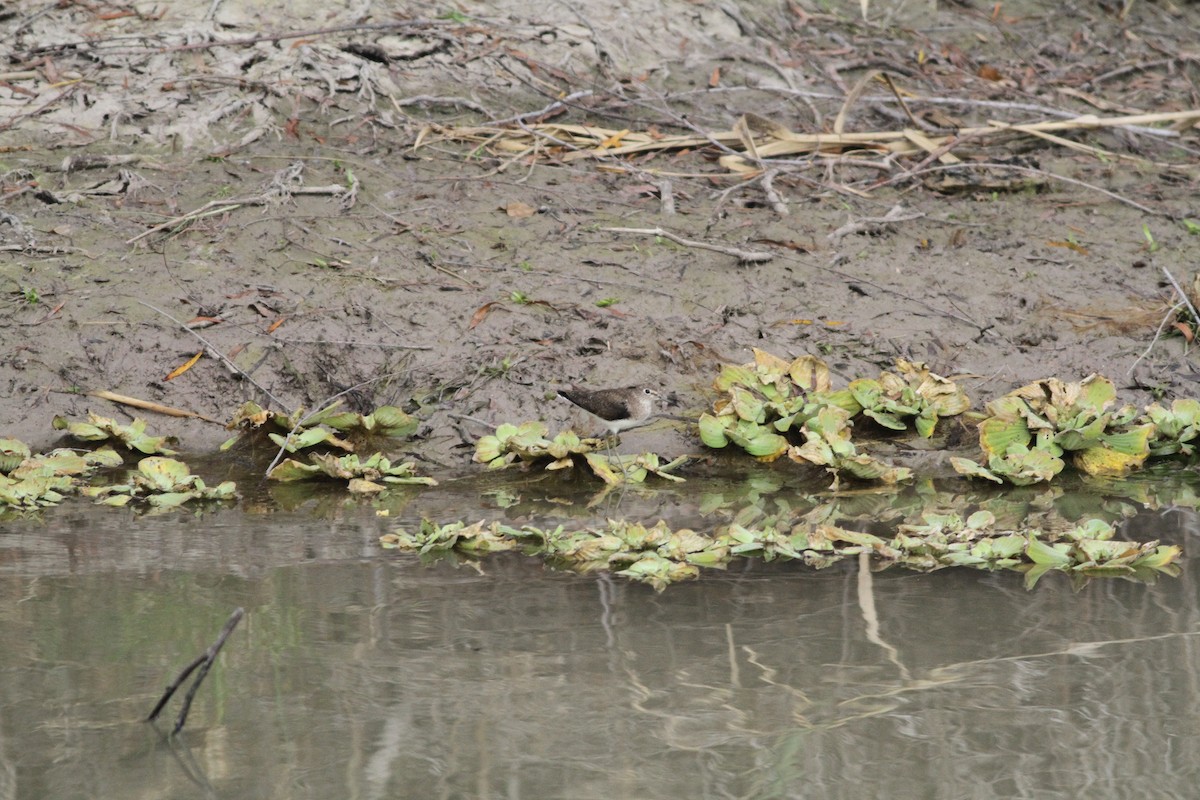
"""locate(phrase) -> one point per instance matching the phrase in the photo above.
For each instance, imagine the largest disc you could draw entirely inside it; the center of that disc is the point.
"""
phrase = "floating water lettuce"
(1030, 433)
(527, 443)
(162, 483)
(326, 427)
(12, 453)
(763, 401)
(363, 476)
(30, 481)
(1175, 428)
(132, 436)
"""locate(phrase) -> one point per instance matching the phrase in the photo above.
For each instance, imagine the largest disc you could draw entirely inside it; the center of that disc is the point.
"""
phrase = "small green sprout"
(1151, 243)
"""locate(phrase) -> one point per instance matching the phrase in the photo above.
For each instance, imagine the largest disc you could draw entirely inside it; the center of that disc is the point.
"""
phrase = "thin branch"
(209, 209)
(555, 106)
(745, 256)
(205, 662)
(778, 205)
(1162, 326)
(1031, 171)
(1182, 294)
(895, 214)
(415, 25)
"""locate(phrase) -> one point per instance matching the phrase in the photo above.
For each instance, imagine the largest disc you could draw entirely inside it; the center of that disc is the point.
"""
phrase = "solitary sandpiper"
(617, 409)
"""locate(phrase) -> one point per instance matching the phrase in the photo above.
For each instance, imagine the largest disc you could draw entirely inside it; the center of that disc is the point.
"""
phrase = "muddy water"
(360, 673)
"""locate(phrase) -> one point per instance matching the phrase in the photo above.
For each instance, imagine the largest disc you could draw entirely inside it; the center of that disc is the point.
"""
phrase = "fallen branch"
(205, 662)
(1041, 173)
(744, 256)
(149, 405)
(867, 224)
(209, 209)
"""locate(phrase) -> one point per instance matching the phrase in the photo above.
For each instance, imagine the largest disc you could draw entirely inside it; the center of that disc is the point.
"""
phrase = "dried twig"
(438, 100)
(587, 141)
(745, 256)
(555, 106)
(149, 405)
(1182, 294)
(773, 197)
(1043, 173)
(1184, 302)
(1162, 326)
(895, 214)
(666, 197)
(205, 662)
(416, 26)
(209, 209)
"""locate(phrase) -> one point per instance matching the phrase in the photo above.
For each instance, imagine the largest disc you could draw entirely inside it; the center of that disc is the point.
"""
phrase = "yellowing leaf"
(182, 368)
(519, 210)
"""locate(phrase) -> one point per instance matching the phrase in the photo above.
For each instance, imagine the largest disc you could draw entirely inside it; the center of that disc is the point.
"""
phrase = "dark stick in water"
(206, 658)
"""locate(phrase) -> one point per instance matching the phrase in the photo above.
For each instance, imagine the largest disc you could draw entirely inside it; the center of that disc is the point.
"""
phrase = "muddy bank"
(299, 209)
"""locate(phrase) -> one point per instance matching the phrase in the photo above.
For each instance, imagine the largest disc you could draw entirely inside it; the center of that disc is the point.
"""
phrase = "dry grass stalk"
(757, 142)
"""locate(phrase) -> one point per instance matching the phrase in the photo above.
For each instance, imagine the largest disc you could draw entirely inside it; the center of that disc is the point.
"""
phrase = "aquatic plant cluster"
(30, 481)
(1028, 433)
(770, 408)
(527, 443)
(763, 401)
(1025, 435)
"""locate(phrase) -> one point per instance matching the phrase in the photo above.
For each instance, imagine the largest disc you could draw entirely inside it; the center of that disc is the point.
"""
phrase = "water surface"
(363, 673)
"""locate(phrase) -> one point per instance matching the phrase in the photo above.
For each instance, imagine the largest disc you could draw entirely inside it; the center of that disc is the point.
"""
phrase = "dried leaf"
(990, 73)
(480, 314)
(182, 368)
(614, 140)
(519, 210)
(1078, 248)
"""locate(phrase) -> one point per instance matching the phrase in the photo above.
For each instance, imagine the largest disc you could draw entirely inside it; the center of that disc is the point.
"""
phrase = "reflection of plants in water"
(363, 476)
(884, 684)
(928, 537)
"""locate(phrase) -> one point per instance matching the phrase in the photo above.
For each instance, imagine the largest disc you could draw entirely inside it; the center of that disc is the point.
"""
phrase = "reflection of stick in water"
(206, 659)
(866, 601)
